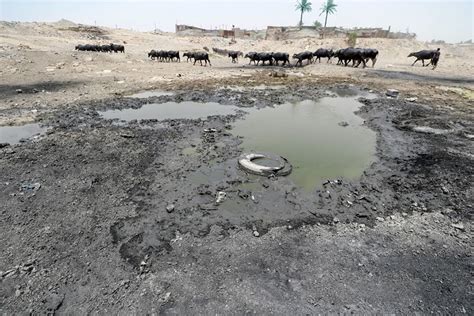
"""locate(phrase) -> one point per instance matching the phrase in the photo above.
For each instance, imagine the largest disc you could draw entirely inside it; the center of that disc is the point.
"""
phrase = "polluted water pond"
(310, 135)
(149, 94)
(170, 110)
(15, 134)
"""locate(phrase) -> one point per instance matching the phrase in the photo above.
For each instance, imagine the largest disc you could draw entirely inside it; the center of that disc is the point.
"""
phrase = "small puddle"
(309, 134)
(189, 151)
(13, 134)
(148, 94)
(171, 110)
(259, 87)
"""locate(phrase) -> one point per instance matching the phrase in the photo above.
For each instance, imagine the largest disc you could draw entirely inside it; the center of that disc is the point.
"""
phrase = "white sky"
(449, 20)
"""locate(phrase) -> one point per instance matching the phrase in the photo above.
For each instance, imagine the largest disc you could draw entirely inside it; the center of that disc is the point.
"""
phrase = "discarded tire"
(247, 163)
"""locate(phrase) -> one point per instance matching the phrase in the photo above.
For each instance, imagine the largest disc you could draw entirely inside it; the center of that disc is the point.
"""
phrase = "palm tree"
(329, 8)
(303, 6)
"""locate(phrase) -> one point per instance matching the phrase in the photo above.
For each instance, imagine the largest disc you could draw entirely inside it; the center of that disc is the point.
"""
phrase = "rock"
(380, 219)
(165, 298)
(459, 226)
(335, 220)
(53, 302)
(170, 208)
(60, 65)
(19, 91)
(413, 99)
(220, 197)
(278, 74)
(404, 214)
(244, 194)
(30, 187)
(392, 93)
(256, 233)
(343, 124)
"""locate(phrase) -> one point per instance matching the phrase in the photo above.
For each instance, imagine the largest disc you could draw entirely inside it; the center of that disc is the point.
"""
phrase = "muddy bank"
(116, 198)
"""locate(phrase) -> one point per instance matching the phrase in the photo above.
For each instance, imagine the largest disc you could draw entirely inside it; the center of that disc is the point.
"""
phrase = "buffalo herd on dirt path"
(349, 56)
(108, 48)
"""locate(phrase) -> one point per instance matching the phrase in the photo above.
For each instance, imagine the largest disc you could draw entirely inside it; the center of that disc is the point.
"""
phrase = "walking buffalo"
(107, 48)
(164, 55)
(303, 56)
(200, 56)
(283, 57)
(426, 54)
(235, 55)
(323, 53)
(251, 56)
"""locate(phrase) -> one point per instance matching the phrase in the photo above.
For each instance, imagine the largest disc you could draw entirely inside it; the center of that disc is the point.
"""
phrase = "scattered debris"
(170, 208)
(392, 93)
(246, 162)
(245, 194)
(30, 187)
(19, 91)
(220, 197)
(278, 74)
(459, 226)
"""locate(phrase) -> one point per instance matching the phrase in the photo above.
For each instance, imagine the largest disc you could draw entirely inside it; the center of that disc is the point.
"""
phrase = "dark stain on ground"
(409, 76)
(117, 181)
(51, 86)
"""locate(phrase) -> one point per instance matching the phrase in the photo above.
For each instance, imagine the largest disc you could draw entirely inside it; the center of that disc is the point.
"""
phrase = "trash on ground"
(247, 163)
(392, 93)
(220, 197)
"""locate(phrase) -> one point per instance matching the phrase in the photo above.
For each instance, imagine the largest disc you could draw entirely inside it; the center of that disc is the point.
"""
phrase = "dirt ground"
(96, 232)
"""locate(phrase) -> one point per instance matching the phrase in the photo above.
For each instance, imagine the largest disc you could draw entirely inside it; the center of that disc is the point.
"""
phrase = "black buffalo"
(283, 57)
(172, 54)
(370, 53)
(426, 54)
(303, 56)
(323, 53)
(189, 55)
(235, 55)
(252, 57)
(200, 56)
(346, 55)
(263, 57)
(117, 48)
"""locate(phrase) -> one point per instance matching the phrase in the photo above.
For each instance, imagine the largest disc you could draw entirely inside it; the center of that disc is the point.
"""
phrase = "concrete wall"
(188, 30)
(284, 33)
(293, 32)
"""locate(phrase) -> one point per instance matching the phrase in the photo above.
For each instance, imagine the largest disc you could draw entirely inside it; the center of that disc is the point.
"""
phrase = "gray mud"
(125, 209)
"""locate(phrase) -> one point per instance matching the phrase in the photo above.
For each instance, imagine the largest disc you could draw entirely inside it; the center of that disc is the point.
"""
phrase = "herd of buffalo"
(344, 56)
(107, 48)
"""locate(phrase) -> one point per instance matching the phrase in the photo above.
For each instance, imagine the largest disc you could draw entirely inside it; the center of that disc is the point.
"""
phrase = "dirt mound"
(63, 23)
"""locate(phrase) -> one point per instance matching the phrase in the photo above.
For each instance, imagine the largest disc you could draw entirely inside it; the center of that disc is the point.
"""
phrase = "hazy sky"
(449, 20)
